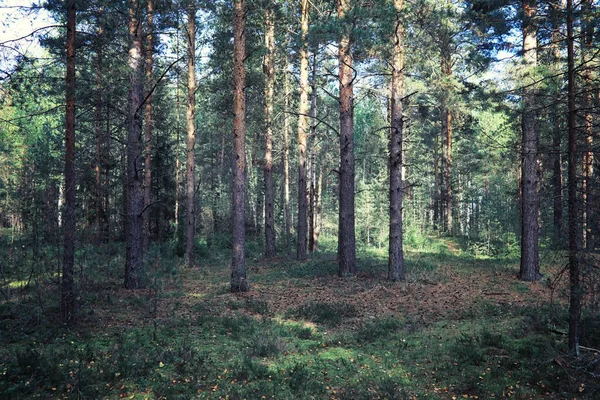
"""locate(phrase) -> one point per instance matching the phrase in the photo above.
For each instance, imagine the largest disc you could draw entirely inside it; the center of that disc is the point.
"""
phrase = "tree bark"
(134, 269)
(530, 204)
(587, 52)
(312, 195)
(346, 234)
(286, 163)
(269, 71)
(101, 147)
(303, 128)
(557, 132)
(239, 282)
(395, 251)
(190, 164)
(148, 124)
(69, 223)
(573, 209)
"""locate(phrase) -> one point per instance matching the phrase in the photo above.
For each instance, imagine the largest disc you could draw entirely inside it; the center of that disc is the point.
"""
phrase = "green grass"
(187, 337)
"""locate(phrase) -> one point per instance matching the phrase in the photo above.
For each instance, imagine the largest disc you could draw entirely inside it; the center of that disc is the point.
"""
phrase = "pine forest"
(300, 199)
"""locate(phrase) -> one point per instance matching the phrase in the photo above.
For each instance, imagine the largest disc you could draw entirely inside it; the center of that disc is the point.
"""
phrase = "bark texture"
(346, 233)
(530, 203)
(269, 71)
(303, 128)
(573, 209)
(148, 125)
(286, 164)
(239, 282)
(134, 268)
(67, 292)
(190, 163)
(395, 251)
(588, 106)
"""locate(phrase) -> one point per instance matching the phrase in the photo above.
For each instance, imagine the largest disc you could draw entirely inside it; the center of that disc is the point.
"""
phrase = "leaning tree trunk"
(303, 127)
(190, 164)
(239, 283)
(67, 290)
(530, 203)
(346, 234)
(395, 251)
(269, 71)
(148, 124)
(134, 268)
(573, 209)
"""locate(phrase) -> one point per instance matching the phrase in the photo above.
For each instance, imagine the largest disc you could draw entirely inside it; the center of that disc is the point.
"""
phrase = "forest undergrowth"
(461, 326)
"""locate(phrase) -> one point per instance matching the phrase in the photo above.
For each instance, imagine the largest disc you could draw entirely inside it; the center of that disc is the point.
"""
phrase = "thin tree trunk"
(134, 270)
(303, 128)
(395, 253)
(286, 163)
(148, 124)
(69, 224)
(436, 185)
(239, 282)
(318, 210)
(101, 210)
(574, 268)
(588, 155)
(346, 234)
(190, 164)
(313, 134)
(446, 173)
(269, 70)
(557, 132)
(530, 204)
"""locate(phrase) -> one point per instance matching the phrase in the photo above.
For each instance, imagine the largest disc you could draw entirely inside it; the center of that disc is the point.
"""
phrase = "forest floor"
(459, 327)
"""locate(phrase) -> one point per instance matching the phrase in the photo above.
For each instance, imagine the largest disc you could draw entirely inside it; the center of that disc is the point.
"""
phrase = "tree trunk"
(573, 209)
(101, 147)
(134, 270)
(190, 164)
(346, 234)
(303, 128)
(530, 204)
(318, 210)
(69, 223)
(311, 204)
(239, 283)
(557, 131)
(313, 134)
(395, 253)
(286, 163)
(446, 173)
(269, 70)
(148, 124)
(587, 52)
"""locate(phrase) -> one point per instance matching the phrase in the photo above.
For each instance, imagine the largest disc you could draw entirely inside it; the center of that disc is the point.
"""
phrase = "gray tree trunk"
(239, 282)
(148, 125)
(134, 269)
(190, 163)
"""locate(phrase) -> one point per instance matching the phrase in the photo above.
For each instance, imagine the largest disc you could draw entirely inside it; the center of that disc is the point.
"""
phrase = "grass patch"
(329, 314)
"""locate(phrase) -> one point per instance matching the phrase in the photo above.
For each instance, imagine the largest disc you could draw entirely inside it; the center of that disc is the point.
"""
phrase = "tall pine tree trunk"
(134, 269)
(148, 123)
(286, 162)
(395, 251)
(530, 203)
(588, 154)
(346, 233)
(303, 128)
(190, 164)
(312, 196)
(101, 146)
(268, 168)
(557, 131)
(239, 282)
(67, 289)
(573, 209)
